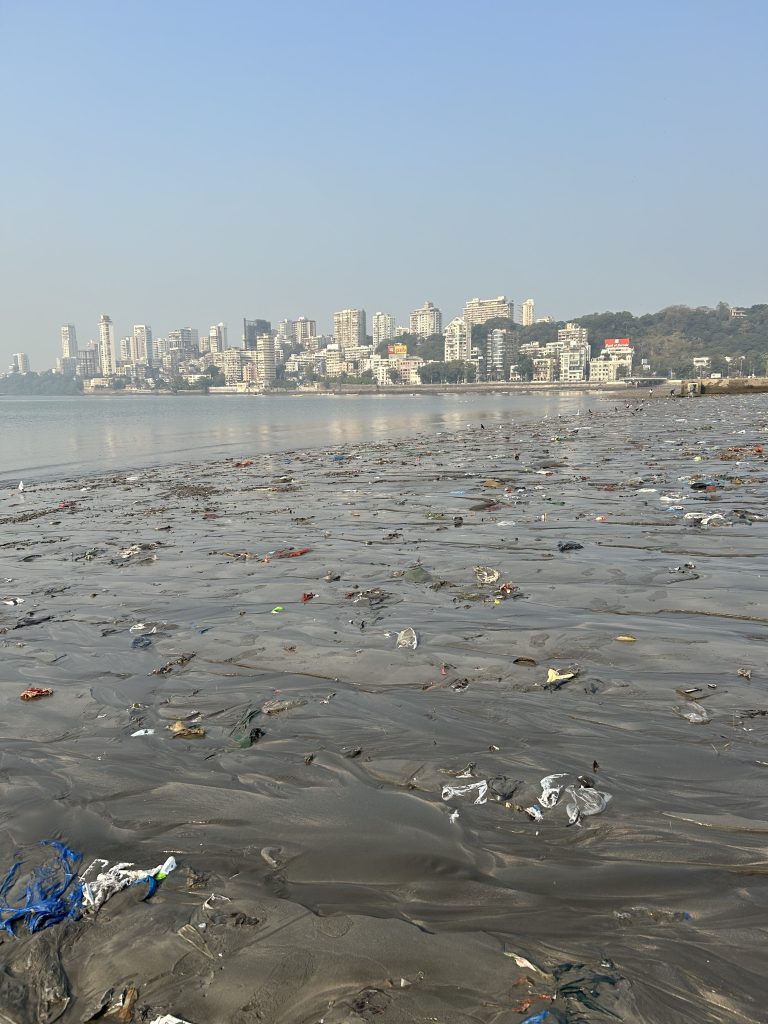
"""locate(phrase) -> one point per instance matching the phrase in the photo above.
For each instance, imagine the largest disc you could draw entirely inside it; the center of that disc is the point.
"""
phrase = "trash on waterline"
(274, 707)
(52, 894)
(695, 713)
(107, 883)
(481, 788)
(551, 790)
(186, 732)
(557, 676)
(569, 545)
(584, 802)
(485, 575)
(407, 638)
(35, 692)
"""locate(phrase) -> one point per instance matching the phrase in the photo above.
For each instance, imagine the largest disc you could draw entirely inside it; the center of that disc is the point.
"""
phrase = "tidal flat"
(330, 682)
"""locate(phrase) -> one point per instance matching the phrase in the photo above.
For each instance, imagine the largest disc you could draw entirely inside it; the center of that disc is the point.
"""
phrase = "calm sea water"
(47, 437)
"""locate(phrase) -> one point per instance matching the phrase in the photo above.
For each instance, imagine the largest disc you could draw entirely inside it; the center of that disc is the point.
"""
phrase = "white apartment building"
(572, 334)
(303, 330)
(480, 311)
(426, 320)
(266, 362)
(68, 341)
(457, 340)
(20, 362)
(614, 362)
(574, 363)
(217, 338)
(349, 327)
(106, 346)
(384, 328)
(141, 344)
(527, 313)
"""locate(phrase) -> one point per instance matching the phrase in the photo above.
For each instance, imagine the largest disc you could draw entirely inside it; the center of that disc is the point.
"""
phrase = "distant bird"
(482, 426)
(21, 485)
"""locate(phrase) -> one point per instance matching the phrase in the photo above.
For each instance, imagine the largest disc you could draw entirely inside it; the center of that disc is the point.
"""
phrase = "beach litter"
(35, 692)
(168, 1018)
(274, 707)
(556, 677)
(407, 638)
(54, 892)
(569, 545)
(480, 788)
(695, 713)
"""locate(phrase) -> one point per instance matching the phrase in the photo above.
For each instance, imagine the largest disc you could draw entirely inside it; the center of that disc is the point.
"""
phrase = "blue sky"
(183, 163)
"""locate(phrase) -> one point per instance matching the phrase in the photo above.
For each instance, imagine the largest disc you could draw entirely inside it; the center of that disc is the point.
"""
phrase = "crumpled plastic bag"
(550, 790)
(120, 876)
(481, 788)
(582, 803)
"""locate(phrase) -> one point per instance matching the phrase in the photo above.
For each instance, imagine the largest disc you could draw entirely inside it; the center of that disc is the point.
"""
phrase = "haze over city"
(180, 164)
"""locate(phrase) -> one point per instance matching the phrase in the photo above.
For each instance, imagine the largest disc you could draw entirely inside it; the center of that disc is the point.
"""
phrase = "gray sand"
(353, 895)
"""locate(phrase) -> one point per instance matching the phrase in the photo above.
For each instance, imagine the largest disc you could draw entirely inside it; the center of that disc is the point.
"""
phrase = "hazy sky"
(183, 163)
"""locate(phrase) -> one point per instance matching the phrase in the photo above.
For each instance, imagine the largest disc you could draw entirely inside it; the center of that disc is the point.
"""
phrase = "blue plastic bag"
(53, 892)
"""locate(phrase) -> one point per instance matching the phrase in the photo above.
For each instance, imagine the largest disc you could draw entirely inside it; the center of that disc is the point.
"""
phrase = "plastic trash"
(485, 575)
(651, 914)
(503, 788)
(168, 1018)
(243, 733)
(13, 600)
(695, 713)
(481, 788)
(557, 676)
(407, 638)
(534, 812)
(52, 893)
(551, 789)
(186, 732)
(143, 732)
(194, 938)
(274, 707)
(583, 803)
(35, 692)
(569, 545)
(106, 884)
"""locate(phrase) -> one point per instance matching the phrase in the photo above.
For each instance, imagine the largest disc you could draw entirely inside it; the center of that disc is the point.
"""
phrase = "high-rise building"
(252, 329)
(457, 340)
(383, 327)
(68, 341)
(184, 340)
(426, 320)
(480, 311)
(303, 330)
(499, 354)
(572, 334)
(89, 362)
(106, 346)
(141, 344)
(217, 338)
(265, 359)
(527, 312)
(349, 328)
(20, 363)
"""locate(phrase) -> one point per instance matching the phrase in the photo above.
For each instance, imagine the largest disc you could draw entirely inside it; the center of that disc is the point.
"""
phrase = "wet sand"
(353, 890)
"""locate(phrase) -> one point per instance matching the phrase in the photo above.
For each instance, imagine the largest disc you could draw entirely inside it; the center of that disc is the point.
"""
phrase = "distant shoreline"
(395, 389)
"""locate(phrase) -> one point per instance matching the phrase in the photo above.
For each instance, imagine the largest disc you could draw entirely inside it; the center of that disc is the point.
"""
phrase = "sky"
(179, 164)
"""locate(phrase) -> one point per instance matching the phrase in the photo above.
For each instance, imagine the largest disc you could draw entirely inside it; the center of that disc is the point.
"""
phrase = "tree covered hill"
(671, 338)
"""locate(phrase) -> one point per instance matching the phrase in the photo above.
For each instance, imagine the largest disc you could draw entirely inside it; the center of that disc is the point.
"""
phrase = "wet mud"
(330, 682)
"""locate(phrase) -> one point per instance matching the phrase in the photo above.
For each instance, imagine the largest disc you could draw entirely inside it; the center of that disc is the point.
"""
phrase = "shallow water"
(46, 437)
(358, 897)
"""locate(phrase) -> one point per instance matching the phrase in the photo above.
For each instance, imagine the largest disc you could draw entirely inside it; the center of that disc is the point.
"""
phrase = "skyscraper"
(303, 330)
(217, 338)
(252, 329)
(106, 346)
(265, 359)
(527, 313)
(141, 347)
(20, 363)
(426, 320)
(457, 340)
(480, 311)
(384, 327)
(68, 341)
(349, 328)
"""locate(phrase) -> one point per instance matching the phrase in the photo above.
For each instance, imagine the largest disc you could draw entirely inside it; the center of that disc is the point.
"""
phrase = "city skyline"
(612, 161)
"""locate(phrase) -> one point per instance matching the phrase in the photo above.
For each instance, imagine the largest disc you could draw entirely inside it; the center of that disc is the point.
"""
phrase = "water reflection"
(49, 436)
